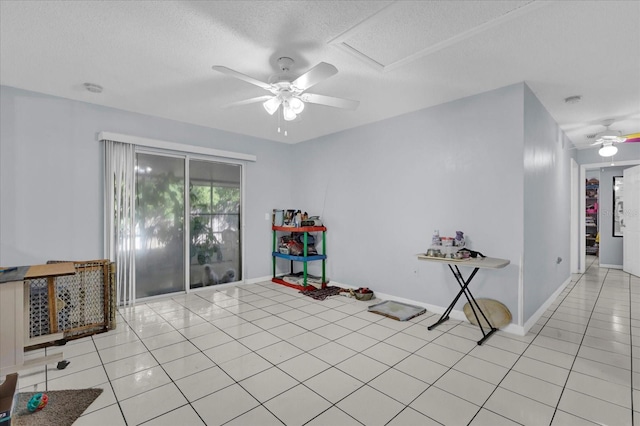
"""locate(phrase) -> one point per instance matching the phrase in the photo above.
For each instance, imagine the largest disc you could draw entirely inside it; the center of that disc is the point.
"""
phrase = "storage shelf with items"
(591, 216)
(297, 244)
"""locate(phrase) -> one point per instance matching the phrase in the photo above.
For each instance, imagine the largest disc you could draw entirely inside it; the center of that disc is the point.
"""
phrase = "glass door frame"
(187, 249)
(186, 157)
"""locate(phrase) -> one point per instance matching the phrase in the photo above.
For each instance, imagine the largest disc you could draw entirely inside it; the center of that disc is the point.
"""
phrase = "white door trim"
(575, 218)
(583, 205)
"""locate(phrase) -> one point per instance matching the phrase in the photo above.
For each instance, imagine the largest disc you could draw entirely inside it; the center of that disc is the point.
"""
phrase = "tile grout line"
(184, 305)
(581, 340)
(163, 369)
(109, 382)
(529, 344)
(252, 351)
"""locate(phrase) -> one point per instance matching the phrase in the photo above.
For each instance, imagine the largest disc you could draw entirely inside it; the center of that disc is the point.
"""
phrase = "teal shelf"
(300, 258)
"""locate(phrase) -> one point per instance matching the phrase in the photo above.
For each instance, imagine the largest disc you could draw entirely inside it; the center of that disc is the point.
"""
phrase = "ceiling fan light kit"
(608, 139)
(290, 94)
(608, 150)
(272, 105)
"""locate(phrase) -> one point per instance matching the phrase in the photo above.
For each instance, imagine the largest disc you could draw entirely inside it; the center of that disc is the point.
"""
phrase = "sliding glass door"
(159, 224)
(214, 246)
(207, 251)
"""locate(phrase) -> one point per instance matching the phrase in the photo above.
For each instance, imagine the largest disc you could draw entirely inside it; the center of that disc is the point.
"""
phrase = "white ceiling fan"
(288, 92)
(607, 139)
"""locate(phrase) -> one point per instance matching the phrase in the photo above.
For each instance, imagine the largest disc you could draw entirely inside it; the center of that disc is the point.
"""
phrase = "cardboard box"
(8, 398)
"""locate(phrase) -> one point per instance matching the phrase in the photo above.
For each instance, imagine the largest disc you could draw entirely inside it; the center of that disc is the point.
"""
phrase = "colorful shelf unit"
(304, 258)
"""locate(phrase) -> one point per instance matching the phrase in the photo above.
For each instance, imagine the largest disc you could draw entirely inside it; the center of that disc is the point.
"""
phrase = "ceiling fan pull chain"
(278, 122)
(279, 125)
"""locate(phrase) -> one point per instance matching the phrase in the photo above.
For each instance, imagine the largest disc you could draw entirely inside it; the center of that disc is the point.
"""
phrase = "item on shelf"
(299, 237)
(289, 218)
(433, 252)
(435, 239)
(459, 241)
(298, 279)
(295, 248)
(475, 254)
(312, 221)
(277, 218)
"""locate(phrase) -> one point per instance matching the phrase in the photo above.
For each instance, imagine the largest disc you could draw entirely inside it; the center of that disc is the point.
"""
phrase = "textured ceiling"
(155, 57)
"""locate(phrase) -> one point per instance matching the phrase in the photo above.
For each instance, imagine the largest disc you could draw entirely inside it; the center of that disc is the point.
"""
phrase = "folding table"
(477, 264)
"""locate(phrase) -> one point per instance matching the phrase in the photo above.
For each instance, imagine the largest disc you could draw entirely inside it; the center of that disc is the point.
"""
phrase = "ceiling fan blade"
(240, 76)
(632, 137)
(315, 75)
(248, 101)
(329, 101)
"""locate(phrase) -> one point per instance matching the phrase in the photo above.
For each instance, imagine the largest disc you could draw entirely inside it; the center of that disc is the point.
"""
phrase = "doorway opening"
(609, 247)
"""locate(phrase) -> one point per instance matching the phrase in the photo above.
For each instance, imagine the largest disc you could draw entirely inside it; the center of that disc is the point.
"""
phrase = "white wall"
(51, 177)
(383, 188)
(547, 207)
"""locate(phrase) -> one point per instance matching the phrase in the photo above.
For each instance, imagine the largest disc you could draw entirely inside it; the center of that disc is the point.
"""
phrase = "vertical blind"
(119, 220)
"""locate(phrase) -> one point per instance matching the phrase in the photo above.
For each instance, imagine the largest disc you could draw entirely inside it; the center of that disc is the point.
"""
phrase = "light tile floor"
(263, 354)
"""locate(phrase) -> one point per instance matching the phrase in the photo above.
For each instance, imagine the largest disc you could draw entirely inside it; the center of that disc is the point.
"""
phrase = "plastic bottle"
(435, 239)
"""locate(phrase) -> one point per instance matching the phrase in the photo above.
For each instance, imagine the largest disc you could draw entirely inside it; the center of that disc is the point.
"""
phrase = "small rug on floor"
(322, 293)
(64, 407)
(396, 310)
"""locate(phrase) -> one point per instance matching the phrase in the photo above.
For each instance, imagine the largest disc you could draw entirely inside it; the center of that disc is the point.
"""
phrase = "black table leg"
(445, 315)
(464, 289)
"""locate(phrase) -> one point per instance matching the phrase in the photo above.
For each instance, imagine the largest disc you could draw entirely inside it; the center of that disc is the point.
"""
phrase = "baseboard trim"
(257, 280)
(604, 265)
(454, 314)
(541, 310)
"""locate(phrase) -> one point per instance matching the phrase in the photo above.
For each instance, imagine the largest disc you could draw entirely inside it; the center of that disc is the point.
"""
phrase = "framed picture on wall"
(618, 216)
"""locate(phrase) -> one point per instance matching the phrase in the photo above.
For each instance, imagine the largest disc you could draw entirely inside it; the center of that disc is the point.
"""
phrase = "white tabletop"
(478, 262)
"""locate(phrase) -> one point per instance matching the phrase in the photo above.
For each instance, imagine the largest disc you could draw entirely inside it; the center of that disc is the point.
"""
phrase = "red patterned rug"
(322, 293)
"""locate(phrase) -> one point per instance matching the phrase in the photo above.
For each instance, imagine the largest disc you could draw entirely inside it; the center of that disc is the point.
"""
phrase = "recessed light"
(573, 99)
(93, 88)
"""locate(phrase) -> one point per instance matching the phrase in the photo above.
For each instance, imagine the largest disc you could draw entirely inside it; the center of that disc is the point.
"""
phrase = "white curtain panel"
(119, 216)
